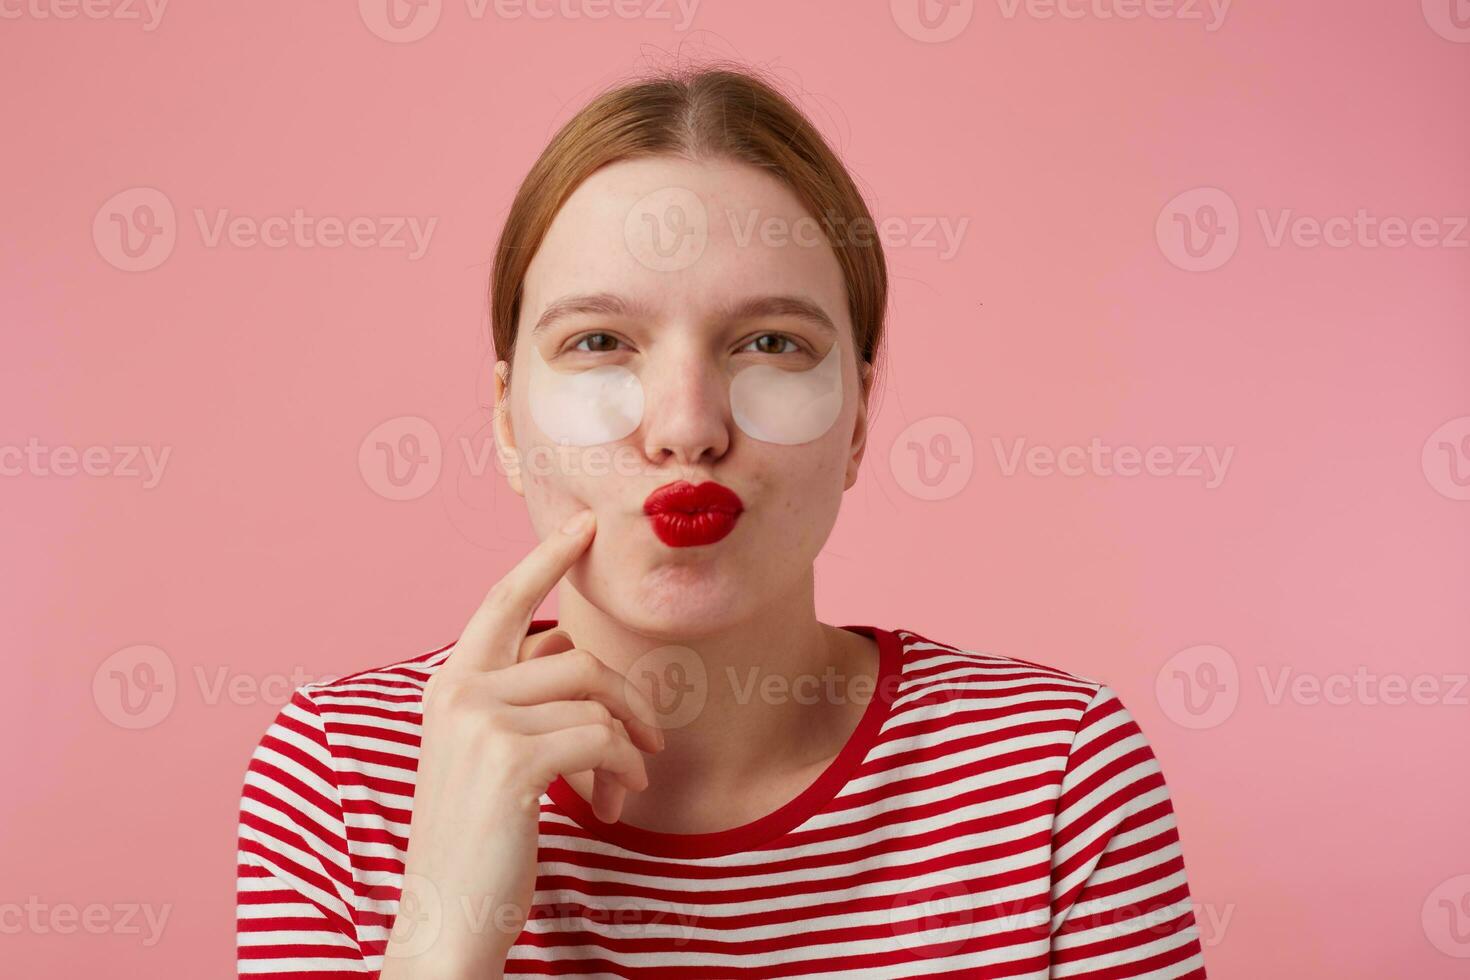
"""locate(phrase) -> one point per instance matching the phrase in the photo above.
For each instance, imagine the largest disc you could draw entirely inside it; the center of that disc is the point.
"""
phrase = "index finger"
(492, 637)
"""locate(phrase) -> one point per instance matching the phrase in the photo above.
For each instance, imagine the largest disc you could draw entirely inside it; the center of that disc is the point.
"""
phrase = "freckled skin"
(791, 493)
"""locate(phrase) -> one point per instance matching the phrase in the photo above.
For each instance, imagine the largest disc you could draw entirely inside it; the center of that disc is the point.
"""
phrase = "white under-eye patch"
(788, 407)
(585, 408)
(605, 404)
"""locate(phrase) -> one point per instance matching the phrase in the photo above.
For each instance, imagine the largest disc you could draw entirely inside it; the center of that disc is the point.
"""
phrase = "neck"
(766, 687)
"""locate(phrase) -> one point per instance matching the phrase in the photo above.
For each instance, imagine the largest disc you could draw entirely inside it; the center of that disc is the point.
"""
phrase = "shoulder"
(394, 682)
(410, 672)
(966, 685)
(1005, 709)
(330, 724)
(938, 670)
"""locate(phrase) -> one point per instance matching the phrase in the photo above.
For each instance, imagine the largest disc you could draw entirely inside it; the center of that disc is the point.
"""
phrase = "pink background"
(1321, 839)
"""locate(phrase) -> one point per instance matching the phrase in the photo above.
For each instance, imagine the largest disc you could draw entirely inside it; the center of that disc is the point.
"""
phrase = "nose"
(686, 408)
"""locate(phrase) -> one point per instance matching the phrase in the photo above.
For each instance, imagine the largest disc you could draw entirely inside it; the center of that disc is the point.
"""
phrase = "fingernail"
(578, 523)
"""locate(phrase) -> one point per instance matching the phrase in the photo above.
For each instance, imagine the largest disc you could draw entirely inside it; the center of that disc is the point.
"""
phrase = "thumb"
(555, 641)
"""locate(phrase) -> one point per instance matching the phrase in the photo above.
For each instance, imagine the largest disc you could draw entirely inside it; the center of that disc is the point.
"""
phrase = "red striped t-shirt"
(988, 817)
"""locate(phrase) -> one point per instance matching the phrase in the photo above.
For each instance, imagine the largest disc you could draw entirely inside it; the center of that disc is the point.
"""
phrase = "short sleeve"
(293, 906)
(1120, 905)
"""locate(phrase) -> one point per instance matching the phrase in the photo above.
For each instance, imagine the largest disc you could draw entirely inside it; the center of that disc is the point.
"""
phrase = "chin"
(677, 602)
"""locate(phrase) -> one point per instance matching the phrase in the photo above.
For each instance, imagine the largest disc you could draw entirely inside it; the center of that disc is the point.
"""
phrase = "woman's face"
(636, 280)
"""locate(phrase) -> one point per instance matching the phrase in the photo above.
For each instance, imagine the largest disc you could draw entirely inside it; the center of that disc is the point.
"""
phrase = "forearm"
(428, 967)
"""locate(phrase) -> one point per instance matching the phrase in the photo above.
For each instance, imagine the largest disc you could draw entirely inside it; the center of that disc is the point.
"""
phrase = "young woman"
(689, 774)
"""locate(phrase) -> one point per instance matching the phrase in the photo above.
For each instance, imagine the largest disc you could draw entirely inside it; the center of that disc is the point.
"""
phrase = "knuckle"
(495, 721)
(453, 698)
(499, 598)
(508, 745)
(501, 753)
(584, 664)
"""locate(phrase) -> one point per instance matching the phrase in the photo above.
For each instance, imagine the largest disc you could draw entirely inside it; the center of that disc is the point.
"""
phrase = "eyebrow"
(750, 308)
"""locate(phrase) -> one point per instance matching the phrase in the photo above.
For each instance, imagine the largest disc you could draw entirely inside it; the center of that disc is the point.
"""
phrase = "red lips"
(685, 515)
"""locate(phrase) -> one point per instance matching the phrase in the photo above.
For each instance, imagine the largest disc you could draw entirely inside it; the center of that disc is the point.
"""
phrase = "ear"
(860, 426)
(505, 440)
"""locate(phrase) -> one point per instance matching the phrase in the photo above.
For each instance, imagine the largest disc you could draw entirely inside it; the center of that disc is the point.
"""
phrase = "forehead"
(751, 236)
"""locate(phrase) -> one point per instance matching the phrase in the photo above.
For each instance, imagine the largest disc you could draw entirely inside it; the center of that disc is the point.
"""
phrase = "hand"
(496, 731)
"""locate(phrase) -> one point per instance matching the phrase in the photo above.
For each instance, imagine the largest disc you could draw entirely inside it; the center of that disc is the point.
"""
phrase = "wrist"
(444, 961)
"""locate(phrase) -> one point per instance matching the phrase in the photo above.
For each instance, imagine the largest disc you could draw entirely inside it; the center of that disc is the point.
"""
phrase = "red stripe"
(707, 894)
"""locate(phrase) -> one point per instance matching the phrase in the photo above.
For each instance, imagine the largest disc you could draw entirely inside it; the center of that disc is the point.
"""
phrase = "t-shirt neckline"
(764, 829)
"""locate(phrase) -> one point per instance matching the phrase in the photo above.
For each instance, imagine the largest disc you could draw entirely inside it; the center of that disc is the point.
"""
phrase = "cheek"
(804, 483)
(550, 499)
(560, 480)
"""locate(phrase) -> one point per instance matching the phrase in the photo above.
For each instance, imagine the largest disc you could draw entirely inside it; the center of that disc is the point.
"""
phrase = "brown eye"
(779, 339)
(606, 338)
